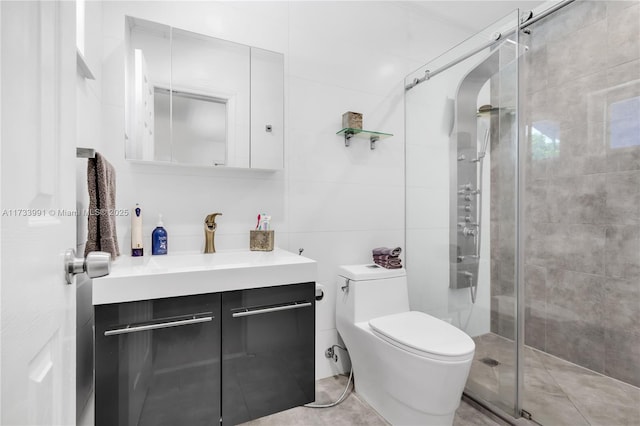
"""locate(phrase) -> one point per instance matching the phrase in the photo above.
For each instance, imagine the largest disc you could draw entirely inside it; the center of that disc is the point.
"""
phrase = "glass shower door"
(461, 200)
(581, 117)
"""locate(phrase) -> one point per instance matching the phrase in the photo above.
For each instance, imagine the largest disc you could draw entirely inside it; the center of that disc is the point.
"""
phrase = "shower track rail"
(497, 37)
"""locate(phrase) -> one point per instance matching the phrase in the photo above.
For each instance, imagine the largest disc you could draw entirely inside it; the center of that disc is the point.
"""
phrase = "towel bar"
(85, 153)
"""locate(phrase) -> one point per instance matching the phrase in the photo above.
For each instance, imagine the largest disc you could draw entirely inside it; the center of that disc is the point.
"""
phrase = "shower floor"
(556, 392)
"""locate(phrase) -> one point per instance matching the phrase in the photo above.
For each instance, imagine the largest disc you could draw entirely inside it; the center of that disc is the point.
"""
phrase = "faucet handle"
(210, 221)
(209, 232)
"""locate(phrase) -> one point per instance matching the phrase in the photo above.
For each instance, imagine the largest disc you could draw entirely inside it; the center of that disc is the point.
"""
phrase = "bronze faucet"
(209, 232)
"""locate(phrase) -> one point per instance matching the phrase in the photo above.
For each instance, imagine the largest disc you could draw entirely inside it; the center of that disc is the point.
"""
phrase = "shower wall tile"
(623, 198)
(621, 301)
(536, 105)
(537, 209)
(581, 151)
(534, 78)
(535, 279)
(503, 321)
(577, 100)
(574, 329)
(623, 35)
(576, 342)
(574, 247)
(574, 297)
(576, 16)
(578, 54)
(627, 72)
(506, 278)
(615, 6)
(579, 199)
(622, 352)
(623, 159)
(578, 141)
(541, 168)
(622, 251)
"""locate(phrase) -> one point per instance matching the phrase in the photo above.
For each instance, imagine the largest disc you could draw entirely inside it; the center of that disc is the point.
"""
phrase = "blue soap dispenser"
(159, 239)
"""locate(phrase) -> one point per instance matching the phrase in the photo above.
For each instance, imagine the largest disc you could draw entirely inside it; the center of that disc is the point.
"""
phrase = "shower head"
(487, 109)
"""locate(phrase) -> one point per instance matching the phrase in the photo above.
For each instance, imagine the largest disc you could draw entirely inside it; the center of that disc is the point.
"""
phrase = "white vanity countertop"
(183, 274)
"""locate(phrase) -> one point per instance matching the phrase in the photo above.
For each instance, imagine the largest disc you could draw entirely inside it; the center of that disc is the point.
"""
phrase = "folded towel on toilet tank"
(382, 257)
(387, 257)
(387, 251)
(394, 261)
(388, 265)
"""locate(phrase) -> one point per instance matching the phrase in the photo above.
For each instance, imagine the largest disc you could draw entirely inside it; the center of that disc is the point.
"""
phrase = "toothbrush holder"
(261, 240)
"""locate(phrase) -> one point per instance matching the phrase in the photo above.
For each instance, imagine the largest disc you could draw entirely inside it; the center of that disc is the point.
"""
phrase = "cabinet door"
(267, 109)
(158, 362)
(268, 337)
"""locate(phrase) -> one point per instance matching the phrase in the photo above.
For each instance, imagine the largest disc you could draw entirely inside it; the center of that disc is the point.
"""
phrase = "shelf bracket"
(373, 140)
(347, 138)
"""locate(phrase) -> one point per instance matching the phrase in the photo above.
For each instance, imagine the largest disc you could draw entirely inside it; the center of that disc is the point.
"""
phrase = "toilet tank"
(373, 291)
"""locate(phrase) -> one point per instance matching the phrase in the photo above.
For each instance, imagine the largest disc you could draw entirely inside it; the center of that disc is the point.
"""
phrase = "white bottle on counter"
(136, 232)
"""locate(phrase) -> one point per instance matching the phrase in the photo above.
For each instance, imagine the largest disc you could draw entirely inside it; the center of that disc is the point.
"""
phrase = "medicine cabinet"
(197, 100)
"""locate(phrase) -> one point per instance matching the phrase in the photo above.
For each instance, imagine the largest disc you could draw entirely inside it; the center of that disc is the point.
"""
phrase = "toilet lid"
(423, 333)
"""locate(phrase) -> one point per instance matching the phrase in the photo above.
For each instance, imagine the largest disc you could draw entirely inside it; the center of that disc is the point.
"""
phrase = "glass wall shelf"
(373, 137)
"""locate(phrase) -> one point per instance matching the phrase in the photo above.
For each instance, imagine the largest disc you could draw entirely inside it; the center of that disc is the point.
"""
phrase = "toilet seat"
(424, 335)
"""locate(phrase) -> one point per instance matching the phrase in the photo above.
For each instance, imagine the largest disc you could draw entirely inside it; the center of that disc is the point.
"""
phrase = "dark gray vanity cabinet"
(205, 359)
(268, 346)
(158, 362)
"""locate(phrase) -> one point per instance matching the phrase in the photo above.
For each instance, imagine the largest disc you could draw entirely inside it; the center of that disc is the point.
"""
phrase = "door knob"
(96, 264)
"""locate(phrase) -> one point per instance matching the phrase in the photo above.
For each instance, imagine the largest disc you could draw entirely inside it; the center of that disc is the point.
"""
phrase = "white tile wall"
(335, 202)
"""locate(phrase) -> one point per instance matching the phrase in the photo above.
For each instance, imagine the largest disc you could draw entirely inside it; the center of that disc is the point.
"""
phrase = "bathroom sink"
(197, 261)
(183, 274)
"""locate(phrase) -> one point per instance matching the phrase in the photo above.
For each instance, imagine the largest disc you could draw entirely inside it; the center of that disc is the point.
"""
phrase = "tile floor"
(557, 392)
(354, 411)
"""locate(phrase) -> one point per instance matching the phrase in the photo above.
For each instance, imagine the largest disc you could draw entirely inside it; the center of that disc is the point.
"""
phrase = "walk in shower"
(523, 209)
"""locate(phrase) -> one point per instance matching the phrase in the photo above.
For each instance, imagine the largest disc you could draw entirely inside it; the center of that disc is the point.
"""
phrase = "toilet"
(409, 366)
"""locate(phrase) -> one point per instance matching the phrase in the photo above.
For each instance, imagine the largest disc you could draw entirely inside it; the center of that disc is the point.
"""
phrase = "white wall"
(335, 202)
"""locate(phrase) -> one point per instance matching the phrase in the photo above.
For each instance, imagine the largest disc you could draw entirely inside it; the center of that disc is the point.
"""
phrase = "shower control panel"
(465, 230)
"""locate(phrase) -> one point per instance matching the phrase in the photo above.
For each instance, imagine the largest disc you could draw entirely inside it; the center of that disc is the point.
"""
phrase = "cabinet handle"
(247, 312)
(133, 328)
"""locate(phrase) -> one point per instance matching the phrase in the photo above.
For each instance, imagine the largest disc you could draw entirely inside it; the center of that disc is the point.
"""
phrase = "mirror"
(199, 100)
